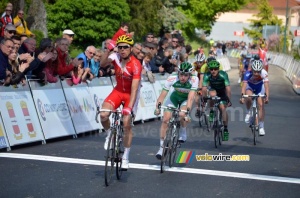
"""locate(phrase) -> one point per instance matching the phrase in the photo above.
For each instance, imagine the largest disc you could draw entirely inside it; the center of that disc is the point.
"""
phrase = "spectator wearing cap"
(6, 18)
(69, 34)
(9, 31)
(123, 30)
(21, 25)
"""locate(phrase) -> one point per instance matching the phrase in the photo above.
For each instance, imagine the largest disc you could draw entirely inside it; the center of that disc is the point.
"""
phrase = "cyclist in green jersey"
(184, 86)
(219, 86)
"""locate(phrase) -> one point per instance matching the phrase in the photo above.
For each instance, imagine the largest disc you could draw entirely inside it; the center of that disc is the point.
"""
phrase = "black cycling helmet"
(211, 58)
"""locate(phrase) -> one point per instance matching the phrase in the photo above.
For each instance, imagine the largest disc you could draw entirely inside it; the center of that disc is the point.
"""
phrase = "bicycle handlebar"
(254, 96)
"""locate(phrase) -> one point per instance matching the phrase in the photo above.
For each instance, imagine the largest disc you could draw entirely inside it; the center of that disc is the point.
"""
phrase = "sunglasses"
(175, 41)
(11, 31)
(92, 53)
(123, 47)
(8, 10)
(150, 37)
(214, 69)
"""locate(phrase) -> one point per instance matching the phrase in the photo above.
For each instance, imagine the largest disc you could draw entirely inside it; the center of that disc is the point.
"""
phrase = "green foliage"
(204, 13)
(93, 21)
(171, 16)
(263, 17)
(145, 17)
(38, 36)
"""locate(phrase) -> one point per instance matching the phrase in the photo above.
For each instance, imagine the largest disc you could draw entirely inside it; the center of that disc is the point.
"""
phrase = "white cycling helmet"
(257, 65)
(200, 57)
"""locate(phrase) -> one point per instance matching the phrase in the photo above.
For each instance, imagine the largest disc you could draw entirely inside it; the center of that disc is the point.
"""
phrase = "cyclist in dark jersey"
(219, 86)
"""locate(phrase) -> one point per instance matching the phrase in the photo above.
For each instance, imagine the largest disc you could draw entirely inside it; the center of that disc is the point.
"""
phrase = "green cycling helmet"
(186, 67)
(213, 64)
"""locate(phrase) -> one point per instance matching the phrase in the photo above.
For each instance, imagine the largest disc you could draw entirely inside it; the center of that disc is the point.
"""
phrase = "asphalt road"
(69, 167)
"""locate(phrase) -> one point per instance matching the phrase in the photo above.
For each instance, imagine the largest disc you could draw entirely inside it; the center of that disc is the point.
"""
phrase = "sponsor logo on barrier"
(41, 109)
(76, 107)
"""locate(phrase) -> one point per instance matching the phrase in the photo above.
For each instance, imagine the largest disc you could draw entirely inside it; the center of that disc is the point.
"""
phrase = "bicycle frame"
(217, 124)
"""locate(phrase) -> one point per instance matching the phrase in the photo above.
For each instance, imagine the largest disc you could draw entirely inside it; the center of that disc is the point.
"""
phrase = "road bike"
(203, 111)
(115, 147)
(254, 115)
(216, 123)
(171, 142)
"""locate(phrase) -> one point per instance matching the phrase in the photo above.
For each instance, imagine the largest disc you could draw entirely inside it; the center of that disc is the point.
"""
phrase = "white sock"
(183, 129)
(261, 124)
(248, 111)
(161, 143)
(126, 153)
(108, 131)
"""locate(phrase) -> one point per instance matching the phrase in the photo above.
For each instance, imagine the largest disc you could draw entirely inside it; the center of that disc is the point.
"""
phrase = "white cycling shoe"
(248, 118)
(261, 131)
(182, 136)
(159, 153)
(125, 164)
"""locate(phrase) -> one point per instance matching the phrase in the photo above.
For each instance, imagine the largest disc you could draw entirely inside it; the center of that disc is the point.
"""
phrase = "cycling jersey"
(124, 76)
(204, 69)
(218, 84)
(256, 83)
(181, 91)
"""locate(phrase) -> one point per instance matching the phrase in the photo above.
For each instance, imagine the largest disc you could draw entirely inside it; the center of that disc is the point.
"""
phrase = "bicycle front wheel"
(110, 158)
(255, 126)
(166, 150)
(174, 145)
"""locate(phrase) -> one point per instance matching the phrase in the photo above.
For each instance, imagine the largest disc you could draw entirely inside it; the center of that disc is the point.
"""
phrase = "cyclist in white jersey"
(185, 86)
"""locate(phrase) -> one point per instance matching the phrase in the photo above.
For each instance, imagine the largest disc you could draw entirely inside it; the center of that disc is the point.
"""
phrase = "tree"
(145, 17)
(93, 21)
(263, 17)
(170, 15)
(203, 14)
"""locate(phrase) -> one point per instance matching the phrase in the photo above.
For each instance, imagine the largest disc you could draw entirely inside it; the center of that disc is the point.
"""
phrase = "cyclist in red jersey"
(128, 71)
(262, 52)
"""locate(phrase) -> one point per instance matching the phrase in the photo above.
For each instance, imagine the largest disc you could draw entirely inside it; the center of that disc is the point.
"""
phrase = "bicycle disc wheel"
(110, 159)
(173, 148)
(166, 151)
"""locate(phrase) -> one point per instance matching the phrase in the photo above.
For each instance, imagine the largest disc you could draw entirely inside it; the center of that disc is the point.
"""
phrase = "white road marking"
(155, 167)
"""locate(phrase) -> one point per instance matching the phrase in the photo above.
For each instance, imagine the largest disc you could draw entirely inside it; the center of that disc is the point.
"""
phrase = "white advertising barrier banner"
(52, 109)
(3, 140)
(81, 105)
(100, 88)
(19, 115)
(147, 100)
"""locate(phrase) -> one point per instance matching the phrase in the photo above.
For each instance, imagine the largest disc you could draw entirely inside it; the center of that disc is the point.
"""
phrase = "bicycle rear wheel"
(166, 150)
(174, 145)
(110, 158)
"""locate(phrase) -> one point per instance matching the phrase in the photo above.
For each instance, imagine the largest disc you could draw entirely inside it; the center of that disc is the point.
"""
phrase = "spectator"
(69, 35)
(21, 25)
(35, 67)
(137, 47)
(6, 19)
(17, 42)
(78, 74)
(123, 30)
(9, 31)
(64, 69)
(6, 48)
(149, 38)
(146, 63)
(17, 69)
(23, 38)
(87, 55)
(95, 63)
(51, 67)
